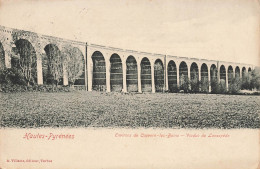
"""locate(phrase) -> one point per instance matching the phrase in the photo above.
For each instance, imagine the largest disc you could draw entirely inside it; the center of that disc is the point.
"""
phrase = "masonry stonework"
(113, 69)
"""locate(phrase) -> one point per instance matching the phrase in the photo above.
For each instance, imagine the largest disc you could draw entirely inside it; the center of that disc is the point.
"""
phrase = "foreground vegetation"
(95, 109)
(13, 80)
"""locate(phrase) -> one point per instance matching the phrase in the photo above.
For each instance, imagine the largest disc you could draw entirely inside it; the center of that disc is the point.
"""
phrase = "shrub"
(36, 88)
(12, 88)
(251, 80)
(185, 84)
(234, 86)
(255, 79)
(204, 86)
(218, 88)
(12, 80)
(214, 86)
(173, 89)
(195, 85)
(246, 81)
(12, 76)
(222, 87)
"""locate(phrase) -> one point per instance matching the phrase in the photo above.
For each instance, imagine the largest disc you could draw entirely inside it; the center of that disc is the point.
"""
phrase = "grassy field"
(95, 109)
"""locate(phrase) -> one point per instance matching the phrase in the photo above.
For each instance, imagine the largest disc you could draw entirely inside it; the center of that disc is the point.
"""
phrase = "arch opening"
(223, 76)
(230, 74)
(213, 73)
(99, 72)
(183, 74)
(116, 73)
(172, 77)
(214, 78)
(52, 65)
(25, 61)
(204, 78)
(146, 78)
(194, 75)
(243, 72)
(75, 66)
(237, 72)
(158, 75)
(131, 74)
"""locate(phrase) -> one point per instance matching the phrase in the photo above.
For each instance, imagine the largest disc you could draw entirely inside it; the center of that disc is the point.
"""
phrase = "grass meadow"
(97, 109)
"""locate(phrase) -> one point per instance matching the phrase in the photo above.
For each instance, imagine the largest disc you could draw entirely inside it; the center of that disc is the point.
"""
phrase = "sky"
(225, 30)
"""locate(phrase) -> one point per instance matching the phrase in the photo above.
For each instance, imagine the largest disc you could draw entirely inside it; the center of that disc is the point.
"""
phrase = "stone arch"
(230, 74)
(75, 71)
(52, 63)
(194, 77)
(116, 73)
(243, 72)
(194, 71)
(172, 76)
(204, 77)
(183, 73)
(25, 60)
(146, 77)
(204, 72)
(99, 72)
(131, 74)
(249, 69)
(223, 73)
(213, 73)
(2, 56)
(158, 75)
(237, 72)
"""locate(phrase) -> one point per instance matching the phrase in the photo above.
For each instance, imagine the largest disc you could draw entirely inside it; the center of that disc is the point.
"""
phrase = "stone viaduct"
(113, 69)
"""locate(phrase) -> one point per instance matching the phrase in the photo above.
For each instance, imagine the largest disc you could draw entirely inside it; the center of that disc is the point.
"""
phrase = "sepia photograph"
(145, 83)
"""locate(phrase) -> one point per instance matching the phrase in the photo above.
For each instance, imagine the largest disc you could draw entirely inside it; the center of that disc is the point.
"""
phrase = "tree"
(73, 63)
(222, 86)
(25, 61)
(54, 63)
(246, 81)
(214, 86)
(235, 85)
(24, 55)
(194, 82)
(218, 87)
(184, 83)
(204, 85)
(255, 79)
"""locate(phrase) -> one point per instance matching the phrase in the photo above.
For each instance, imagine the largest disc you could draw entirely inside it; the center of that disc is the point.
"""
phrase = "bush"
(235, 86)
(194, 85)
(218, 88)
(173, 89)
(251, 80)
(246, 82)
(12, 76)
(185, 84)
(12, 88)
(214, 86)
(12, 80)
(255, 79)
(222, 87)
(7, 88)
(204, 86)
